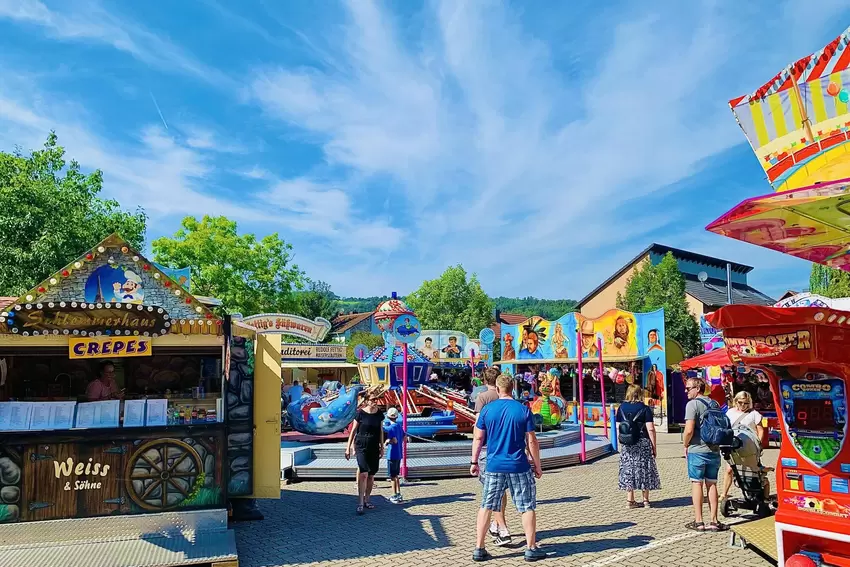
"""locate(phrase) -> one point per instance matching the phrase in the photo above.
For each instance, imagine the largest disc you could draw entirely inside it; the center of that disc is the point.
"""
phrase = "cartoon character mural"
(114, 284)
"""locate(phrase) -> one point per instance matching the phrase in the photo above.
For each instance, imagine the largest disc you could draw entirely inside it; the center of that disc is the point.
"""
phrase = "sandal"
(696, 526)
(631, 504)
(369, 506)
(360, 510)
(646, 504)
(716, 527)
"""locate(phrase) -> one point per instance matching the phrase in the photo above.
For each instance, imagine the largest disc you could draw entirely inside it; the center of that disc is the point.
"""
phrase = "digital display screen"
(814, 414)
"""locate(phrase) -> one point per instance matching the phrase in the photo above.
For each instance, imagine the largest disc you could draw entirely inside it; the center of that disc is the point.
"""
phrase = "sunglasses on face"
(689, 388)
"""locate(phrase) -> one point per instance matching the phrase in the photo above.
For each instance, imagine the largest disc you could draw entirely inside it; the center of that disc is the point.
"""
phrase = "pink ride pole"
(602, 386)
(582, 453)
(404, 414)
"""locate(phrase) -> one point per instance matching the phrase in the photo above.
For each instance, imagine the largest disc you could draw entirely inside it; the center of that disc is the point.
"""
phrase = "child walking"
(394, 439)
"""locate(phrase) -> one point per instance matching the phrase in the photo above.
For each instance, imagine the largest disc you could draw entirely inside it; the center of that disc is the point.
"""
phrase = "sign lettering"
(802, 340)
(109, 347)
(118, 318)
(312, 352)
(69, 467)
(292, 325)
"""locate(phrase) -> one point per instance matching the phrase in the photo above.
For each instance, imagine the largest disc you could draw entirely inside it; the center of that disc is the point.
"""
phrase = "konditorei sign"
(88, 319)
(292, 325)
(109, 347)
(324, 353)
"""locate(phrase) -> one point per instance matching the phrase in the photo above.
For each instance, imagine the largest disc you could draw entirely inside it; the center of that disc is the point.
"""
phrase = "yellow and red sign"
(109, 347)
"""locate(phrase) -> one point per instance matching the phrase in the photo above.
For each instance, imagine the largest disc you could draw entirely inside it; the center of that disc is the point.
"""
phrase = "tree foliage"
(361, 304)
(51, 213)
(550, 309)
(663, 285)
(452, 302)
(361, 338)
(249, 276)
(829, 282)
(317, 300)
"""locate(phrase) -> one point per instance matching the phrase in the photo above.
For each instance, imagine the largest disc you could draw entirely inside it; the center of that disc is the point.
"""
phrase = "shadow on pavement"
(308, 527)
(566, 549)
(563, 500)
(678, 502)
(581, 530)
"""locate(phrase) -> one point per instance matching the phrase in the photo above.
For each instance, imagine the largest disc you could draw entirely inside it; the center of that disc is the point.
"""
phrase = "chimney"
(729, 283)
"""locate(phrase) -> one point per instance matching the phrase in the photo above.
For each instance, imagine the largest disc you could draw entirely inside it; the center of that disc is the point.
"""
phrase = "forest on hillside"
(546, 308)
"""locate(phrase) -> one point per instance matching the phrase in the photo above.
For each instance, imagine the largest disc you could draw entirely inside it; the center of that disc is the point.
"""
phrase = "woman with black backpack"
(636, 437)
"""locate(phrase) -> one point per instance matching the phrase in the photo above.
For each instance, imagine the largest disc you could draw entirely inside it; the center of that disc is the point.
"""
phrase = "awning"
(717, 357)
(585, 360)
(309, 364)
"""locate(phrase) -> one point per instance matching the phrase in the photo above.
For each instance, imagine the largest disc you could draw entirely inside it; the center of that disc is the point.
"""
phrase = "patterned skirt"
(638, 470)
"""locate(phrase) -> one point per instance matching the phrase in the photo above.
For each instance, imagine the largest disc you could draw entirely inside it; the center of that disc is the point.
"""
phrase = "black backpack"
(629, 431)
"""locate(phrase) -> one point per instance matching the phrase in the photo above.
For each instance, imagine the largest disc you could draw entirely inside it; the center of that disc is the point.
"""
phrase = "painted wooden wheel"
(162, 473)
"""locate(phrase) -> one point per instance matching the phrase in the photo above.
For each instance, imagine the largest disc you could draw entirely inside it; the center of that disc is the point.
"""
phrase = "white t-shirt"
(751, 419)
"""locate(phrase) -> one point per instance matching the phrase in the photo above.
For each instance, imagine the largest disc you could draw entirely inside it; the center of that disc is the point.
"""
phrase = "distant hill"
(546, 308)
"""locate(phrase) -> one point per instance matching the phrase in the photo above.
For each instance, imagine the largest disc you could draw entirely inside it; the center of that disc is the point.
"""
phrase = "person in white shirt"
(742, 414)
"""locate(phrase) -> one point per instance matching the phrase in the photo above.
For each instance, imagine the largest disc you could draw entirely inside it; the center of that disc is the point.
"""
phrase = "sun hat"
(392, 413)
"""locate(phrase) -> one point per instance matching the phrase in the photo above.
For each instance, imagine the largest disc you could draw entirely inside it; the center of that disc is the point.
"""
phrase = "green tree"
(317, 300)
(249, 276)
(829, 282)
(652, 287)
(362, 338)
(453, 302)
(550, 309)
(50, 213)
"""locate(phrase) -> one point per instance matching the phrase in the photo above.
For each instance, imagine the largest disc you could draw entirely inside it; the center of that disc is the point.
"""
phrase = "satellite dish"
(702, 276)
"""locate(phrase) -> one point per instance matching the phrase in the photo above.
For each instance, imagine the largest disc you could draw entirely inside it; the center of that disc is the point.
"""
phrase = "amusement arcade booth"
(131, 418)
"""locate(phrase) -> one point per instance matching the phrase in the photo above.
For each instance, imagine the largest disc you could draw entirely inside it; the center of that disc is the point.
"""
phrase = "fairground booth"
(798, 125)
(629, 347)
(456, 357)
(131, 418)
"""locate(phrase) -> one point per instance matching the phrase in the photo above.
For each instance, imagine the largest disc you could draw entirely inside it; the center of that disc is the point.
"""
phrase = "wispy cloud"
(90, 22)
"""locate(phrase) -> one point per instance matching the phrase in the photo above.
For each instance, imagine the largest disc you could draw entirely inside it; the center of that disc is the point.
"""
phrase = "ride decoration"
(550, 406)
(317, 415)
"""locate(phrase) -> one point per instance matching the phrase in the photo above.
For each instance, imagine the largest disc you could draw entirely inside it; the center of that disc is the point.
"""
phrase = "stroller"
(749, 475)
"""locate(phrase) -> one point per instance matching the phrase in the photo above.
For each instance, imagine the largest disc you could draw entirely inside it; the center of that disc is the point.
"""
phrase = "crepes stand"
(132, 417)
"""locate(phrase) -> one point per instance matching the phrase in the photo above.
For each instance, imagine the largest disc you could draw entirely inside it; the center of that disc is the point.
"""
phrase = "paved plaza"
(582, 521)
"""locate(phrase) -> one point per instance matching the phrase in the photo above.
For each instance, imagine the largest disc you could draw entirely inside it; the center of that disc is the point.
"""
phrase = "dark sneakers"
(535, 554)
(481, 555)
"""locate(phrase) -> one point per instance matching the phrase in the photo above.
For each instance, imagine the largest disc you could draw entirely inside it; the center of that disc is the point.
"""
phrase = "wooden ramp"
(758, 535)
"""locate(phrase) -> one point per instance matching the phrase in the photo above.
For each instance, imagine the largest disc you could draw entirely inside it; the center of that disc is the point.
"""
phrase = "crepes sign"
(292, 325)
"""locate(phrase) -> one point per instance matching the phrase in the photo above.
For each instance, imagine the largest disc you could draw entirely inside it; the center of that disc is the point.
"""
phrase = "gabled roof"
(661, 249)
(189, 315)
(342, 323)
(713, 293)
(507, 319)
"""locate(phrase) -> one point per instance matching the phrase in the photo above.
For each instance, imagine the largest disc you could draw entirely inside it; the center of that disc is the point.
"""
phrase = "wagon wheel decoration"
(161, 474)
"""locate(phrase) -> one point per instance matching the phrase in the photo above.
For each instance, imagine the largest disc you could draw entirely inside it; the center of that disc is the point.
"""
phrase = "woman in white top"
(742, 414)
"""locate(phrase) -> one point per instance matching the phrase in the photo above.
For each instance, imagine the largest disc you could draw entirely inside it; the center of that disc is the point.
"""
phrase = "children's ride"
(550, 406)
(314, 415)
(805, 353)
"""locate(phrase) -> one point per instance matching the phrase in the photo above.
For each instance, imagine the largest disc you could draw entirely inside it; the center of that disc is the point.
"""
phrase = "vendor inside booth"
(113, 402)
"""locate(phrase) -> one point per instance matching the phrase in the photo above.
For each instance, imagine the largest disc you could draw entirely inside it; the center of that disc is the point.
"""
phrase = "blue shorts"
(522, 486)
(703, 467)
(393, 468)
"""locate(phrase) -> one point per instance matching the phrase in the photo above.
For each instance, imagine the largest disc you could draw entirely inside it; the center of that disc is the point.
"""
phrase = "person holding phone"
(103, 387)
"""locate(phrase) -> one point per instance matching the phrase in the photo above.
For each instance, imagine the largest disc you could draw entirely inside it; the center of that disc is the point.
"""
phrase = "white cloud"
(89, 22)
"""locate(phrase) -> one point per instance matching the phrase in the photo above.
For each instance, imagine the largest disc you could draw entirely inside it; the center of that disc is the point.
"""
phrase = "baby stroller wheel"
(728, 508)
(763, 510)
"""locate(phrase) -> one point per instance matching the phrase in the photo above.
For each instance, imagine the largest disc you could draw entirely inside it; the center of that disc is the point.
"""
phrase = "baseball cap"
(392, 413)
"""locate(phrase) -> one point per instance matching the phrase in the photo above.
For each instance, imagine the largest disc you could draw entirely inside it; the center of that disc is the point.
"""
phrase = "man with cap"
(394, 439)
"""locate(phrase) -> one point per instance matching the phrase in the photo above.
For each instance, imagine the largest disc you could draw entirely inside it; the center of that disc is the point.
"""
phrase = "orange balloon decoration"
(832, 89)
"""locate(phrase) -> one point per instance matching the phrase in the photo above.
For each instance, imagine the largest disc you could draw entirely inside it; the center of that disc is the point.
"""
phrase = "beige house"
(705, 282)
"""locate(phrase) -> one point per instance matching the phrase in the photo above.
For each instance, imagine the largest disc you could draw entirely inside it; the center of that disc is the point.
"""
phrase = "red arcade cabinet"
(806, 354)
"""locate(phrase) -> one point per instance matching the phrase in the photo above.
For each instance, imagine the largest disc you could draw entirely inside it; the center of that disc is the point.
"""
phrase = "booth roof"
(716, 357)
(381, 354)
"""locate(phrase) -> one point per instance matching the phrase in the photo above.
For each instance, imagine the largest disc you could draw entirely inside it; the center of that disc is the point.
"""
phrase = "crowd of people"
(506, 456)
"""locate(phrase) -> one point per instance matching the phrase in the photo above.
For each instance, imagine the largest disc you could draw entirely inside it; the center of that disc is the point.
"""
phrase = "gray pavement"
(582, 521)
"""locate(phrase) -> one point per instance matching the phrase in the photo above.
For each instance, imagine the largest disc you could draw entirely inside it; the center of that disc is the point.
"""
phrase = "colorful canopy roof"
(717, 357)
(812, 223)
(395, 355)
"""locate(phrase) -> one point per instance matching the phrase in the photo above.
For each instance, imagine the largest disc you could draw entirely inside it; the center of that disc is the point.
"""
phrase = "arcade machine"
(805, 353)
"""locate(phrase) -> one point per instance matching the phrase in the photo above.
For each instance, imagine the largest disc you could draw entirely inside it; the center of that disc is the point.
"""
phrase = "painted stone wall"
(72, 288)
(239, 404)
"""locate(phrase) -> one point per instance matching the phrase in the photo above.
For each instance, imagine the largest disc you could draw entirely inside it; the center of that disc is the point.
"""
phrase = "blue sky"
(540, 144)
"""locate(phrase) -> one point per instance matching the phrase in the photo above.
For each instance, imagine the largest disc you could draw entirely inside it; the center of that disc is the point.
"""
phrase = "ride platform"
(758, 535)
(558, 448)
(168, 539)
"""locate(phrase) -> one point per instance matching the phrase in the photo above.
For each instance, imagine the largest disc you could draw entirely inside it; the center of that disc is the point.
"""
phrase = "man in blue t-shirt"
(394, 439)
(507, 427)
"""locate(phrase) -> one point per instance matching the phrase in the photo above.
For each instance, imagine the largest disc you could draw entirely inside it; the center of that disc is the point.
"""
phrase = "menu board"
(15, 416)
(24, 416)
(98, 414)
(134, 413)
(156, 414)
